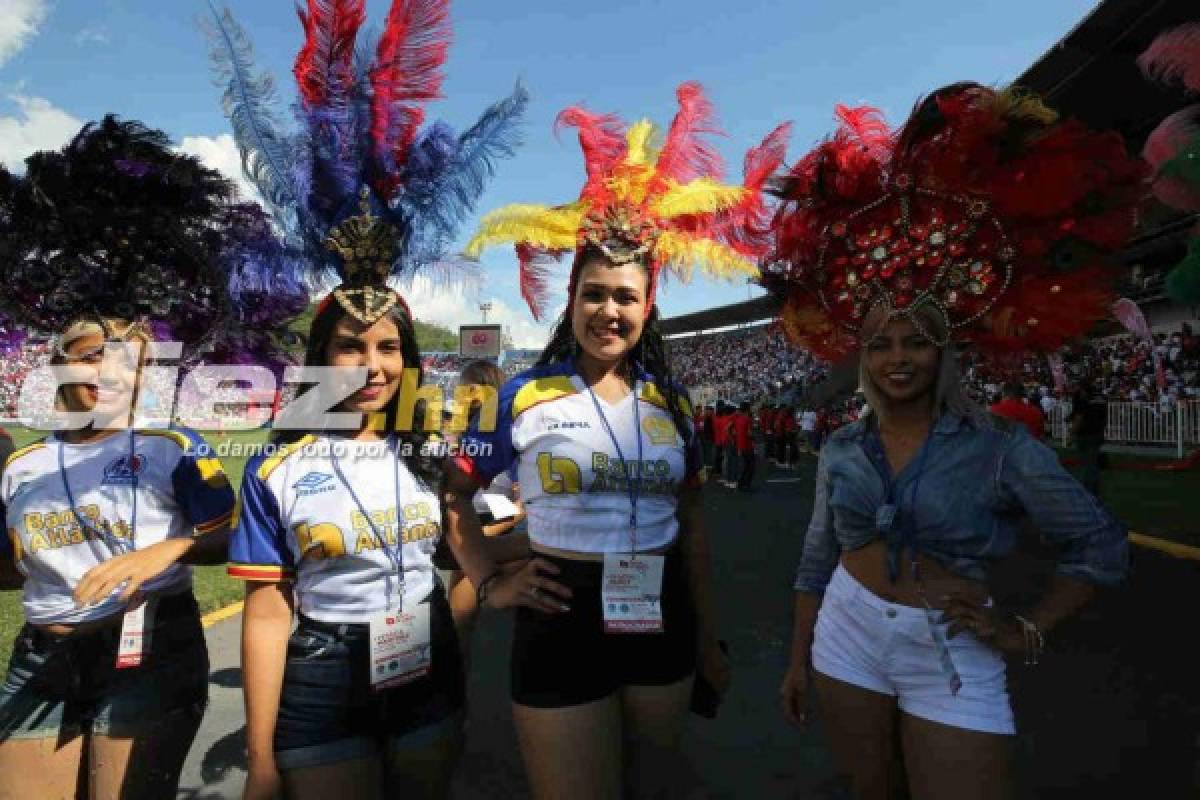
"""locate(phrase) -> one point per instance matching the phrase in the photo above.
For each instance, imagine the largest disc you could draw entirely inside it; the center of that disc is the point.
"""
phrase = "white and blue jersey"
(69, 507)
(572, 475)
(340, 538)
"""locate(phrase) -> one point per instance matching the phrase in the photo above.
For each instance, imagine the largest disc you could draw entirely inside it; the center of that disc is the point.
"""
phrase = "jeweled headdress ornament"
(661, 204)
(986, 206)
(361, 191)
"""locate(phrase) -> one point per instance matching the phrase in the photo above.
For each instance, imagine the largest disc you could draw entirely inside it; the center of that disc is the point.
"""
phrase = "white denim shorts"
(864, 640)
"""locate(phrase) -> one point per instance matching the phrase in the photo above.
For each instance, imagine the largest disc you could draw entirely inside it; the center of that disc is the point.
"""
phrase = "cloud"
(221, 153)
(454, 307)
(93, 34)
(18, 24)
(37, 125)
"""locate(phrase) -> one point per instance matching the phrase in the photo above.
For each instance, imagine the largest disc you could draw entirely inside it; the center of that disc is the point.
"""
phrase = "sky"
(762, 62)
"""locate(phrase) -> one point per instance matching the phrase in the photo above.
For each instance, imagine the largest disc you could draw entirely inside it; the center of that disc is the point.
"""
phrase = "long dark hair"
(650, 351)
(412, 443)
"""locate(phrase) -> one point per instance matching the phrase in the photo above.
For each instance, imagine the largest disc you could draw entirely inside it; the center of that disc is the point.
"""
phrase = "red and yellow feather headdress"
(662, 205)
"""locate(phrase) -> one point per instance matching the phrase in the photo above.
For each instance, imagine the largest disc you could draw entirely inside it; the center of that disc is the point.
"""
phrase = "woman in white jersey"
(338, 529)
(109, 676)
(616, 610)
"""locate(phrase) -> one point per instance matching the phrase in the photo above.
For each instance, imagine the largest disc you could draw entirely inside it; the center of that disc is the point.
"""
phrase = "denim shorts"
(62, 686)
(328, 711)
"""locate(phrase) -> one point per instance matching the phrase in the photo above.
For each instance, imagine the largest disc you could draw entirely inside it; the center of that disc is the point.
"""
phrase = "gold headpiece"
(367, 246)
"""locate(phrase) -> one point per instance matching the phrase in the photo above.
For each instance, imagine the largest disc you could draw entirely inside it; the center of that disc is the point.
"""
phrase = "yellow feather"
(1017, 103)
(716, 260)
(542, 226)
(642, 149)
(701, 196)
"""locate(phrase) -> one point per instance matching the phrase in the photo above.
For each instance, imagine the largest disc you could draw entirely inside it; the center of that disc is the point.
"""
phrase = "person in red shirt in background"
(704, 429)
(743, 443)
(1013, 406)
(785, 430)
(720, 435)
(766, 425)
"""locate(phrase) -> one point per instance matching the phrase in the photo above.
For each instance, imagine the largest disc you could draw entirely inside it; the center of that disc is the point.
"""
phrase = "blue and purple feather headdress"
(361, 190)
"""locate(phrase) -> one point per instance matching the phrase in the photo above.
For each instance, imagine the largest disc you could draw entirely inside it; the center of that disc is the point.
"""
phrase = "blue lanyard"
(396, 556)
(634, 488)
(114, 542)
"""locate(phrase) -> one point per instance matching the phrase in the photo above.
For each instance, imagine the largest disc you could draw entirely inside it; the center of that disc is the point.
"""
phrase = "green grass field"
(214, 588)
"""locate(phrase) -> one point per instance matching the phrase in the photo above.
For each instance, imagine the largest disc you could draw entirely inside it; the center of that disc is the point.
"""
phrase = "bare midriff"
(868, 566)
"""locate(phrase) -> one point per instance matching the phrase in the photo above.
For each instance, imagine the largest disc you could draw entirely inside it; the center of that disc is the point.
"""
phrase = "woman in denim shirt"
(872, 644)
(917, 498)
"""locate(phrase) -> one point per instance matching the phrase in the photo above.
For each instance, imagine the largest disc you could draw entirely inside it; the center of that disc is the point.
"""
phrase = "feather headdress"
(1173, 148)
(117, 225)
(362, 190)
(661, 204)
(985, 205)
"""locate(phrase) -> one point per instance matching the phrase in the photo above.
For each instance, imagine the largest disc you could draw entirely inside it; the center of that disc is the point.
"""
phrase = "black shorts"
(567, 659)
(328, 712)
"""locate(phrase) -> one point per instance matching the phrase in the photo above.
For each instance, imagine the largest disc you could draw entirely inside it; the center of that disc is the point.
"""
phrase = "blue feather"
(444, 180)
(247, 100)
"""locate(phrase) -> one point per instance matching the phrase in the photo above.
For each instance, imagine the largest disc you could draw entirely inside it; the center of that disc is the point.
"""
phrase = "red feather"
(324, 67)
(407, 74)
(865, 126)
(747, 227)
(1174, 55)
(536, 267)
(685, 154)
(602, 139)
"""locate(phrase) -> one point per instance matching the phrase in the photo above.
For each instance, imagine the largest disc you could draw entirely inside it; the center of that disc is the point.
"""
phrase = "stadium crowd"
(748, 364)
(758, 365)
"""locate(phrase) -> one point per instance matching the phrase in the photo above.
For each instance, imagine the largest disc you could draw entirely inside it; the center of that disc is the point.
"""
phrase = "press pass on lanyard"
(137, 626)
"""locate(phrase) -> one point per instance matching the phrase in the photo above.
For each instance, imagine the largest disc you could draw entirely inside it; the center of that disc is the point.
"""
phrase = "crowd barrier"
(1147, 424)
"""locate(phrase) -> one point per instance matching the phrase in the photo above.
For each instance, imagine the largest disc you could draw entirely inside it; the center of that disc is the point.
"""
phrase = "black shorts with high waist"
(566, 659)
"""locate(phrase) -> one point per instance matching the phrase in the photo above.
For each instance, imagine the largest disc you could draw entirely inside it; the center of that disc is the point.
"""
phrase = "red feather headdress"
(985, 206)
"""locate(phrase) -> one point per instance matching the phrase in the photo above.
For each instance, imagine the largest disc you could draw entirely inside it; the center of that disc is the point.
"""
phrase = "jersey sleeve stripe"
(214, 523)
(180, 439)
(467, 465)
(24, 451)
(259, 572)
(268, 466)
(652, 395)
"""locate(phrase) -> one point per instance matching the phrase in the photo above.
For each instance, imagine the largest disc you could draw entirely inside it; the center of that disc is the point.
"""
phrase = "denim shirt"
(979, 479)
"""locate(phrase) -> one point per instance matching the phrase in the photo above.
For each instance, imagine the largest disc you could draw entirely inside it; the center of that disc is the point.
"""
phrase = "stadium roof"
(1091, 74)
(754, 310)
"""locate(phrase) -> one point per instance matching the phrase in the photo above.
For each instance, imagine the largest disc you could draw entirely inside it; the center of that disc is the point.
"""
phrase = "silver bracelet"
(1035, 642)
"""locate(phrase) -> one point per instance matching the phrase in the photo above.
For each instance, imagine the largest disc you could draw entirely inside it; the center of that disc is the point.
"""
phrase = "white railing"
(1141, 424)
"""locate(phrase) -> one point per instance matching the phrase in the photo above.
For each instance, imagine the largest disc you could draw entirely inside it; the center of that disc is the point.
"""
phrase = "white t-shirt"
(572, 476)
(180, 488)
(808, 421)
(298, 520)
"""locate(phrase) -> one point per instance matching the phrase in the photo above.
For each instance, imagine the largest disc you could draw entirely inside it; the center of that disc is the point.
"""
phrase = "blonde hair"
(948, 393)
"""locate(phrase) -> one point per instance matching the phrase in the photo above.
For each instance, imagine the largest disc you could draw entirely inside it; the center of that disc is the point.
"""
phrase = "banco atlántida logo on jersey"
(314, 483)
(661, 430)
(123, 471)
